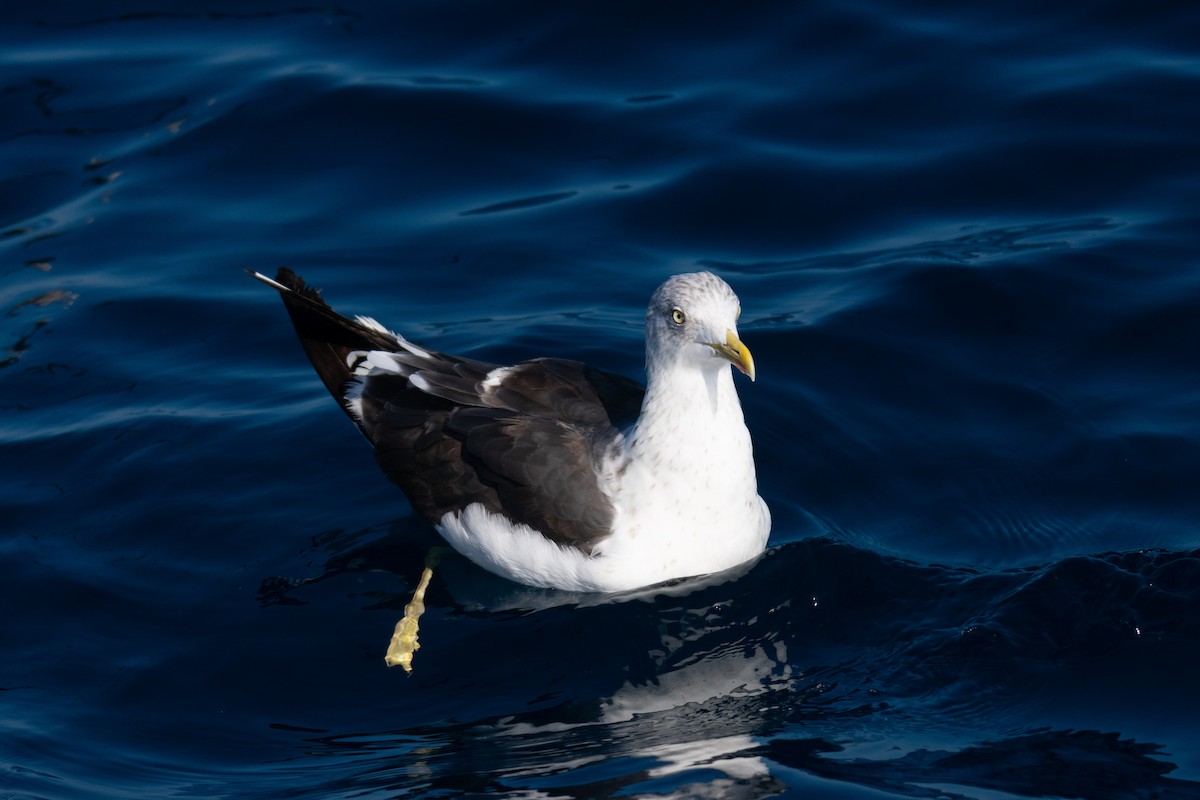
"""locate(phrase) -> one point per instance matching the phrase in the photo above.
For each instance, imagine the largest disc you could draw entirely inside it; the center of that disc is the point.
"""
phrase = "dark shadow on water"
(1091, 764)
(398, 547)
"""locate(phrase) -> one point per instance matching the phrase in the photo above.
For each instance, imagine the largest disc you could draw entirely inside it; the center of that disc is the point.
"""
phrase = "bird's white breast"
(687, 499)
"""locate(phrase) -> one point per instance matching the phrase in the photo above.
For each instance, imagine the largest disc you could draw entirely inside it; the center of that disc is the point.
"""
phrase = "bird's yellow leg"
(404, 642)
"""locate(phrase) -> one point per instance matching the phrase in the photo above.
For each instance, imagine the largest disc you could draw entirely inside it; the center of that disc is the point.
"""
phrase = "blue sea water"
(966, 244)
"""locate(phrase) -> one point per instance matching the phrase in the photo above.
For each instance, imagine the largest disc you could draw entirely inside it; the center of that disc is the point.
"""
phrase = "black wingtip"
(327, 336)
(285, 276)
(288, 282)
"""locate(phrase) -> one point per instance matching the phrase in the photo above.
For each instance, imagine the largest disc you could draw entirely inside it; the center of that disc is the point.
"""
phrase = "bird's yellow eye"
(677, 316)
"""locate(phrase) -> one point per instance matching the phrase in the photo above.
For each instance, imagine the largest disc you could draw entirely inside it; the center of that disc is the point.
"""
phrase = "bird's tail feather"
(327, 336)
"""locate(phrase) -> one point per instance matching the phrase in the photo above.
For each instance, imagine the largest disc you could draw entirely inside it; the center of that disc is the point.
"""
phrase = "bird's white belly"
(655, 546)
(665, 529)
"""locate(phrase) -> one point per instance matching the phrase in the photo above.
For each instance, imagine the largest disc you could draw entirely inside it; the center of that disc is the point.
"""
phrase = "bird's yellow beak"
(737, 353)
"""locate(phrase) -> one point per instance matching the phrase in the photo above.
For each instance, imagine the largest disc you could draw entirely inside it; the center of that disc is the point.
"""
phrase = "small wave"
(521, 204)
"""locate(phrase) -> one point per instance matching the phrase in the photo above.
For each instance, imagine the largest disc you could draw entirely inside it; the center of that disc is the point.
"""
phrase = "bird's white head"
(692, 319)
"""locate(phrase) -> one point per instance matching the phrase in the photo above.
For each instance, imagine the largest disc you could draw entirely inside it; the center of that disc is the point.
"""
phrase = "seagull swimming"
(552, 473)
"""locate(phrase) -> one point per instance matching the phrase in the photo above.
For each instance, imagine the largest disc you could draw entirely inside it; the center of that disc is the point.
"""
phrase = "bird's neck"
(687, 408)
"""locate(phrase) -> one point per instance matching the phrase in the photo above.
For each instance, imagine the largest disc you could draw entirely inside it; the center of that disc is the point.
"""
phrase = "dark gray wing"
(527, 442)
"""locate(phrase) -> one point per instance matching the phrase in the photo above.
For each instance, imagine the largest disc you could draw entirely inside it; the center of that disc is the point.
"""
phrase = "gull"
(552, 473)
